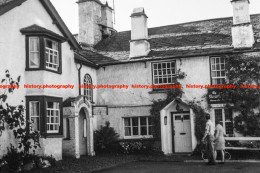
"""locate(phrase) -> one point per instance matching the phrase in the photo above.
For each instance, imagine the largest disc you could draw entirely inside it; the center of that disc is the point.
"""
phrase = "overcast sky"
(160, 12)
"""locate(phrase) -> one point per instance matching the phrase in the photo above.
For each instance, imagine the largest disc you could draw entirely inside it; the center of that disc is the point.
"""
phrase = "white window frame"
(214, 69)
(55, 55)
(224, 119)
(139, 127)
(38, 52)
(164, 72)
(49, 116)
(35, 116)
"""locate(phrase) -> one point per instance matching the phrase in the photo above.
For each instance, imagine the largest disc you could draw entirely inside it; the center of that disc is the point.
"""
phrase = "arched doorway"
(81, 142)
(83, 130)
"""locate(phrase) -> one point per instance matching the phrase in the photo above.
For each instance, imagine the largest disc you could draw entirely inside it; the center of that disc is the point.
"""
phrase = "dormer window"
(43, 49)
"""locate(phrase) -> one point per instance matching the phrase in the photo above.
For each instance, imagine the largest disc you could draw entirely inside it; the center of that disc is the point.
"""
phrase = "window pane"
(218, 115)
(144, 130)
(127, 121)
(135, 121)
(34, 52)
(52, 54)
(34, 113)
(35, 123)
(135, 131)
(228, 115)
(150, 130)
(127, 131)
(149, 121)
(143, 121)
(229, 128)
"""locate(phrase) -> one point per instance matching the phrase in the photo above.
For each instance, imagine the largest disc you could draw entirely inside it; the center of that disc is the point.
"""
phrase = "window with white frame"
(53, 117)
(52, 54)
(218, 70)
(224, 116)
(137, 126)
(34, 113)
(34, 52)
(164, 72)
(45, 115)
(88, 91)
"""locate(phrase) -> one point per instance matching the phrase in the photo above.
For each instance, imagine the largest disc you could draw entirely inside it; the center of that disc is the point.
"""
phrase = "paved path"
(179, 167)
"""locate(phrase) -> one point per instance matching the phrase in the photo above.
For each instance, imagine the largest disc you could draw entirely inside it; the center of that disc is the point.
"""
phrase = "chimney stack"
(139, 45)
(95, 21)
(242, 29)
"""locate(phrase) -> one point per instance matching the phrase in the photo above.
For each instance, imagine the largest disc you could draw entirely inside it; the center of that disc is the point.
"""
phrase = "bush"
(13, 158)
(106, 139)
(20, 161)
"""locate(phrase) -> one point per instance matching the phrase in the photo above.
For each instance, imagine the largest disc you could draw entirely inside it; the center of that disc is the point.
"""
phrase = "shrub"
(140, 146)
(13, 158)
(106, 139)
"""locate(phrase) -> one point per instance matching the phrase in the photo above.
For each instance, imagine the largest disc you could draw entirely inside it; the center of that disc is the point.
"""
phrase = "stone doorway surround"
(71, 110)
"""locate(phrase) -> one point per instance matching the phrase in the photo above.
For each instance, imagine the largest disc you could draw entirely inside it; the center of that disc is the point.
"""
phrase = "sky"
(159, 12)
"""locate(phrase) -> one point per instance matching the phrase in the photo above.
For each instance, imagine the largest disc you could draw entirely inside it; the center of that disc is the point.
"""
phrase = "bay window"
(43, 49)
(45, 114)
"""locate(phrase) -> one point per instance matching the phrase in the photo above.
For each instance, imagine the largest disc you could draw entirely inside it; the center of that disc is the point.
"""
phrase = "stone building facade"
(101, 56)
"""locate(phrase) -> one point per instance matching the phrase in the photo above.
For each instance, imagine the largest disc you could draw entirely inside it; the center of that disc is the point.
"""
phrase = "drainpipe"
(79, 75)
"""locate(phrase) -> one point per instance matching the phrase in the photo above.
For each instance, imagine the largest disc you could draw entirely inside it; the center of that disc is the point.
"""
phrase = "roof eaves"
(10, 5)
(210, 53)
(60, 23)
(81, 59)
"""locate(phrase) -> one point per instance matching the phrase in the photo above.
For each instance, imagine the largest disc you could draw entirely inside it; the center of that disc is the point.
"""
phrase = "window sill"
(40, 69)
(66, 139)
(138, 137)
(158, 91)
(52, 136)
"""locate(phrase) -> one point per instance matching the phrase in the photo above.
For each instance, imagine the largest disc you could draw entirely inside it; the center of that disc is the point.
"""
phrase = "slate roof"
(188, 39)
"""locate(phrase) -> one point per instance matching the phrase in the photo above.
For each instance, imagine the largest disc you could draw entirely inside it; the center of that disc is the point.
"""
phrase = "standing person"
(220, 141)
(209, 137)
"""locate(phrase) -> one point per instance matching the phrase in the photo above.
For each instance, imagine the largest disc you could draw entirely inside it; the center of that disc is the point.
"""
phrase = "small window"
(34, 112)
(53, 117)
(137, 126)
(88, 91)
(178, 117)
(164, 73)
(52, 54)
(218, 70)
(186, 117)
